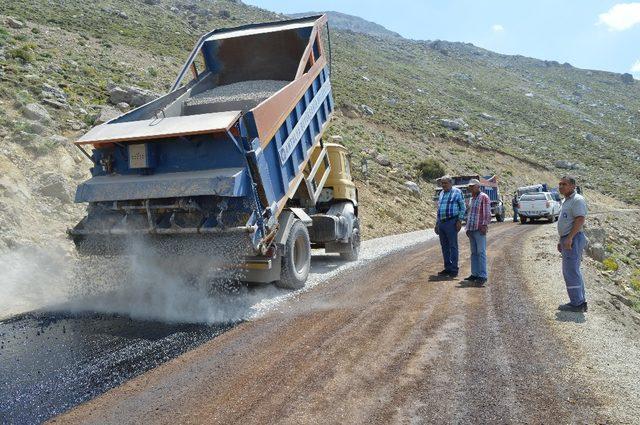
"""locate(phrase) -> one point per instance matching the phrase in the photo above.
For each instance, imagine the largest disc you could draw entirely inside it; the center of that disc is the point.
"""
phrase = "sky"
(592, 34)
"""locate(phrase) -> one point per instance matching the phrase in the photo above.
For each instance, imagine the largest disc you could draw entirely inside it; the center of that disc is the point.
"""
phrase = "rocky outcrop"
(36, 112)
(457, 124)
(133, 96)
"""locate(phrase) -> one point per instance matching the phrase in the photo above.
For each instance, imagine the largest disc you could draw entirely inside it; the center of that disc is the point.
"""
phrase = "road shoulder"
(603, 342)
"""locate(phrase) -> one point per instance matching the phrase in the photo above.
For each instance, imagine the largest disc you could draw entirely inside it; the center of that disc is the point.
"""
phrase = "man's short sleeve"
(579, 207)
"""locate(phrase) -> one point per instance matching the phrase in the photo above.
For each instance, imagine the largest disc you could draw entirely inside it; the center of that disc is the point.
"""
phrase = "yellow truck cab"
(336, 226)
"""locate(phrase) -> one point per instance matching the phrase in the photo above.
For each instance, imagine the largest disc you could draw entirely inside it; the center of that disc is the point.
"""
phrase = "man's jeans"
(449, 243)
(571, 259)
(478, 243)
(515, 214)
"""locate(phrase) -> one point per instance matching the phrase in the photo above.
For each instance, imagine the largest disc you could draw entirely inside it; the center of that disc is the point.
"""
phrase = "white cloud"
(621, 17)
(635, 68)
(497, 28)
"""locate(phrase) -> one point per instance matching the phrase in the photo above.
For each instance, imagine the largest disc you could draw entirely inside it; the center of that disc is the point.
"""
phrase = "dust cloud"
(179, 280)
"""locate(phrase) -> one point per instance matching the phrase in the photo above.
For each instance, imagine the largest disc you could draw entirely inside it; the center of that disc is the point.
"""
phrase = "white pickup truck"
(532, 206)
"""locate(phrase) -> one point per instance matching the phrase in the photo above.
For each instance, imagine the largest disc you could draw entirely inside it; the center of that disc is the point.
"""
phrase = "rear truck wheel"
(296, 261)
(354, 253)
(523, 220)
(499, 218)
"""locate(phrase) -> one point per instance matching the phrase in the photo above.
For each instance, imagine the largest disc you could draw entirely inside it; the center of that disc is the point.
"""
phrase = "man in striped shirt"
(477, 226)
(451, 210)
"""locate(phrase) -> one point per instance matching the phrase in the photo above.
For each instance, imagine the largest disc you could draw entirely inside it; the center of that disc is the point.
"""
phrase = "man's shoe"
(452, 274)
(481, 281)
(471, 278)
(444, 273)
(582, 308)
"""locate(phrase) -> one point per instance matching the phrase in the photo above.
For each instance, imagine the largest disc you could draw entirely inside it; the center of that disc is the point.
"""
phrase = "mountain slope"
(520, 115)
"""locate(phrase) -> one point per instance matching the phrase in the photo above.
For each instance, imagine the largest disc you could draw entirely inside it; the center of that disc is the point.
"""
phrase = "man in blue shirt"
(451, 211)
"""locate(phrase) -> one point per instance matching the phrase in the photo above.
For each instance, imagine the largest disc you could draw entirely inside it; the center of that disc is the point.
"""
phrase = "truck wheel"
(296, 261)
(552, 219)
(354, 253)
(499, 218)
(523, 220)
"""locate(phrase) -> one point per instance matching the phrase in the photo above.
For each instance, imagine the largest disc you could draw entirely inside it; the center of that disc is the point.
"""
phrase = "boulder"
(134, 96)
(412, 187)
(457, 124)
(486, 116)
(383, 160)
(596, 251)
(49, 92)
(107, 113)
(123, 106)
(36, 112)
(627, 78)
(59, 140)
(337, 139)
(14, 23)
(589, 137)
(118, 95)
(367, 110)
(55, 104)
(36, 128)
(55, 186)
(566, 165)
(595, 235)
(469, 137)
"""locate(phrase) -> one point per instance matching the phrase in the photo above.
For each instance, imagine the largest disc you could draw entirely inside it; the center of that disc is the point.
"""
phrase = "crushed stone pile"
(256, 90)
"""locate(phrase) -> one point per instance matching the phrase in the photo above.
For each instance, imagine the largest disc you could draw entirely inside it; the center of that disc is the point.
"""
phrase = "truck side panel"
(289, 149)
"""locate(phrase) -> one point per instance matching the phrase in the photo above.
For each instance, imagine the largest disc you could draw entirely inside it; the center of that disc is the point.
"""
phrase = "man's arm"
(577, 224)
(461, 206)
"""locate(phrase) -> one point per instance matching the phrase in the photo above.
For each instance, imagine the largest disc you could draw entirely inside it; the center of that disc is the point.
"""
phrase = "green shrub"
(24, 53)
(152, 72)
(431, 169)
(635, 280)
(610, 264)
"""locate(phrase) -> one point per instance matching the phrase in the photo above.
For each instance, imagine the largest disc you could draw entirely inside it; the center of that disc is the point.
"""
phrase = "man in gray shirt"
(572, 243)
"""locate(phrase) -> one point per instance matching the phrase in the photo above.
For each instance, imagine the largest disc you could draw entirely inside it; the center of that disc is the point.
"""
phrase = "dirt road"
(383, 344)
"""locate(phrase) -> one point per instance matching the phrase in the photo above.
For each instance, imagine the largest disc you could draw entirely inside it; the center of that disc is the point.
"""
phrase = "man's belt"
(447, 219)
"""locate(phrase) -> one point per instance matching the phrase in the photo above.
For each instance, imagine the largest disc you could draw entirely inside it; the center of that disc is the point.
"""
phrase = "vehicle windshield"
(534, 197)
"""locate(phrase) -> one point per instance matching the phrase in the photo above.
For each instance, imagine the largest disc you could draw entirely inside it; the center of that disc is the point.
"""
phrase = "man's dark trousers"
(449, 243)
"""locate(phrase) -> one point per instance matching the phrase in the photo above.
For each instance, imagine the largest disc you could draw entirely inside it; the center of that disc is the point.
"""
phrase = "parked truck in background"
(488, 185)
(235, 150)
(536, 205)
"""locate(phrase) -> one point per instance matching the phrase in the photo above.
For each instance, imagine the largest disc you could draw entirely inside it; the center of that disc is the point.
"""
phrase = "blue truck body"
(249, 156)
(234, 148)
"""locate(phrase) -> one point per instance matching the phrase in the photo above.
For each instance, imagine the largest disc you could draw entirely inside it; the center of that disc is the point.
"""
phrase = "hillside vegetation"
(400, 102)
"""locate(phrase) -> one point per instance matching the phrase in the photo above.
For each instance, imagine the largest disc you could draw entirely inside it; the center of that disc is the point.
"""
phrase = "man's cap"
(474, 182)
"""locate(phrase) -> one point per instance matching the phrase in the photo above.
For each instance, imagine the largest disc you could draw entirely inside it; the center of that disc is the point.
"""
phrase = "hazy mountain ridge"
(343, 21)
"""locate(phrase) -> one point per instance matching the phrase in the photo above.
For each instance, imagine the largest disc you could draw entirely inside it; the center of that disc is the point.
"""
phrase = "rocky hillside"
(345, 22)
(409, 110)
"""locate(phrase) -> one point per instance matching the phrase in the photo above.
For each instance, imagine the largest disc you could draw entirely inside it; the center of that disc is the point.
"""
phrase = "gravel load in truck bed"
(256, 90)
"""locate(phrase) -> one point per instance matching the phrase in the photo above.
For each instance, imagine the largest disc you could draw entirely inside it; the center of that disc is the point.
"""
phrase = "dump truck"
(234, 148)
(488, 185)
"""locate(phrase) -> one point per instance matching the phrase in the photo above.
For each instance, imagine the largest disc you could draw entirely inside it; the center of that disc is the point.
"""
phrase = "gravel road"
(385, 343)
(53, 359)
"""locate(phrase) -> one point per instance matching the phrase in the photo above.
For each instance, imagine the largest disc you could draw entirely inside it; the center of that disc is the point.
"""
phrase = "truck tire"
(296, 261)
(523, 220)
(354, 253)
(499, 218)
